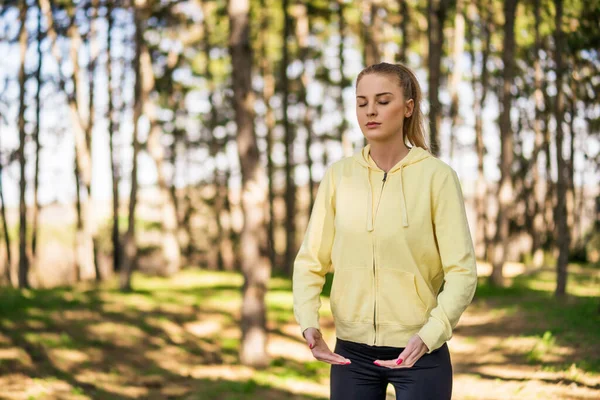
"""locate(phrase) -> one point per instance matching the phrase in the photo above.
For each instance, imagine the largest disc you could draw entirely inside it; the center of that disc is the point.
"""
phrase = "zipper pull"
(384, 176)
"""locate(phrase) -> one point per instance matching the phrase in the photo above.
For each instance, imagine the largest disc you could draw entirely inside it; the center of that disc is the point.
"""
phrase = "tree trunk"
(573, 212)
(255, 266)
(458, 47)
(114, 169)
(480, 90)
(266, 72)
(170, 245)
(223, 244)
(538, 218)
(436, 15)
(562, 229)
(371, 25)
(93, 51)
(84, 242)
(5, 234)
(83, 140)
(550, 195)
(402, 55)
(85, 245)
(343, 126)
(36, 138)
(505, 188)
(129, 243)
(79, 222)
(303, 29)
(290, 167)
(23, 257)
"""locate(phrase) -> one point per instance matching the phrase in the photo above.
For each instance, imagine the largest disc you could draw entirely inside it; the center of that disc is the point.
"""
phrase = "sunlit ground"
(178, 338)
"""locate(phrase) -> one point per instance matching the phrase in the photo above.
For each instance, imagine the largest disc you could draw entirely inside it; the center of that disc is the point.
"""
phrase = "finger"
(312, 338)
(386, 363)
(404, 358)
(331, 358)
(412, 359)
(406, 353)
(342, 358)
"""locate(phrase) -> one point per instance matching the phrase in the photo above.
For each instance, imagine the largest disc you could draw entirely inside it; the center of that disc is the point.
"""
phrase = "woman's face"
(381, 107)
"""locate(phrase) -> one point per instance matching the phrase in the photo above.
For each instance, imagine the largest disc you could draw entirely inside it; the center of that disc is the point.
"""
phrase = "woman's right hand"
(320, 350)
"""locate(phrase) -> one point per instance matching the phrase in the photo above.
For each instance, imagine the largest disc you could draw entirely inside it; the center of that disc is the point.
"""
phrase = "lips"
(372, 124)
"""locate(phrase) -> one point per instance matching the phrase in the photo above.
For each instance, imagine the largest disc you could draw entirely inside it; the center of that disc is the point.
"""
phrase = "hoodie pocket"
(399, 300)
(352, 295)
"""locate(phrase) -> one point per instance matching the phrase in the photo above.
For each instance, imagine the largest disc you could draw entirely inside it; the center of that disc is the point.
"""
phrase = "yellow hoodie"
(392, 239)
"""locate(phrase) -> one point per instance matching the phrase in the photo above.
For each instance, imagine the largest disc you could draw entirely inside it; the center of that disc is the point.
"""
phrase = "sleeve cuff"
(432, 334)
(308, 320)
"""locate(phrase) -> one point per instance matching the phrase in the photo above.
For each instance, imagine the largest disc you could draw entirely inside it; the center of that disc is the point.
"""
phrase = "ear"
(410, 106)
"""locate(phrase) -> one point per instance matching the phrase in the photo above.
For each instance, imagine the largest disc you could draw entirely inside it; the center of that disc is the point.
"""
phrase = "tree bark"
(436, 15)
(505, 188)
(538, 189)
(255, 266)
(402, 55)
(550, 194)
(215, 145)
(129, 242)
(170, 245)
(36, 138)
(371, 28)
(84, 236)
(93, 52)
(114, 169)
(458, 47)
(562, 229)
(7, 274)
(343, 126)
(480, 90)
(290, 167)
(23, 256)
(573, 212)
(303, 29)
(266, 72)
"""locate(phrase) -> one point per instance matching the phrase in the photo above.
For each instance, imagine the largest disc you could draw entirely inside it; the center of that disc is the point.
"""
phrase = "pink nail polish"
(376, 363)
(399, 361)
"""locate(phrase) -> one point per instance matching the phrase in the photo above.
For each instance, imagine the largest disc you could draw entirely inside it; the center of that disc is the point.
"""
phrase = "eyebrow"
(377, 95)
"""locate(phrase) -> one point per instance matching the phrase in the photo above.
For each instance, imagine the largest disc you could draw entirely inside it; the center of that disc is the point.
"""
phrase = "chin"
(378, 137)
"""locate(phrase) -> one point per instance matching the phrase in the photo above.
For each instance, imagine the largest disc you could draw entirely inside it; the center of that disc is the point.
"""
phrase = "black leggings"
(429, 379)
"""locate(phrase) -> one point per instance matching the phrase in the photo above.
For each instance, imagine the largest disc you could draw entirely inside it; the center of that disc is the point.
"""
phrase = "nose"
(371, 109)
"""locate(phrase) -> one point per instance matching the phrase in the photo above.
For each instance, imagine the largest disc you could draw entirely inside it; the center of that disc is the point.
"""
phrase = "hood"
(415, 155)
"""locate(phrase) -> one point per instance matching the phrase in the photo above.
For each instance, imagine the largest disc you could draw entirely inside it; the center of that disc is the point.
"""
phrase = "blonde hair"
(413, 129)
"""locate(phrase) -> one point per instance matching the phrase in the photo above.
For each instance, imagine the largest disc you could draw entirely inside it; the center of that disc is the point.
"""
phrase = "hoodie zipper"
(375, 267)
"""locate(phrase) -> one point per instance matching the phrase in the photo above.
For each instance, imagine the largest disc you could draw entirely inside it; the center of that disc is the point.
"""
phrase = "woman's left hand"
(414, 350)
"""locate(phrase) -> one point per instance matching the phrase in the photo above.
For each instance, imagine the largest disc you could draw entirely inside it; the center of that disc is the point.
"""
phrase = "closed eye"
(380, 102)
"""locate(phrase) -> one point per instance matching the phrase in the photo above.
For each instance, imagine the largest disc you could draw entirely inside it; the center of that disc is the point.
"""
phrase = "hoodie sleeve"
(458, 262)
(314, 257)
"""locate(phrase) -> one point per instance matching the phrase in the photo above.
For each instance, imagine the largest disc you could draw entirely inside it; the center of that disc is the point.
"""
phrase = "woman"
(390, 221)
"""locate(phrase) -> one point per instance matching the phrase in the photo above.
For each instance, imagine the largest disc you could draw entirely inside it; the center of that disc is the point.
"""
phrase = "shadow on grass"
(571, 322)
(145, 347)
(247, 390)
(41, 321)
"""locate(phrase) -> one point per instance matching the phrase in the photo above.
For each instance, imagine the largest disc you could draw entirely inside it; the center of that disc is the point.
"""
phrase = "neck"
(386, 155)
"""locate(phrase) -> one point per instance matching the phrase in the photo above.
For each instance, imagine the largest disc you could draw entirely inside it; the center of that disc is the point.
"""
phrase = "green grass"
(159, 335)
(571, 321)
